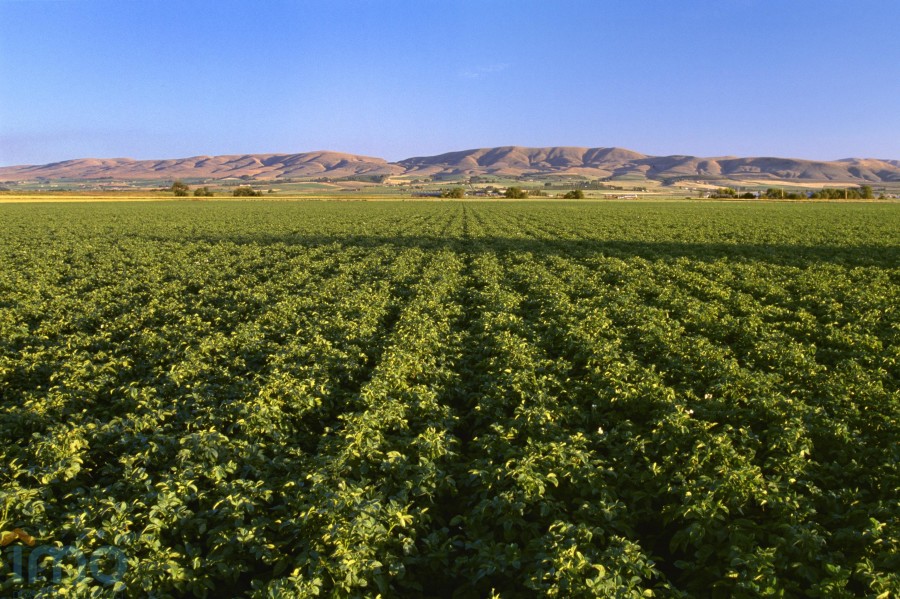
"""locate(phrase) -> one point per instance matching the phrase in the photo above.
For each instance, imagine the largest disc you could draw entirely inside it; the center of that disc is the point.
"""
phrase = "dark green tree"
(516, 193)
(456, 192)
(575, 194)
(180, 188)
(245, 191)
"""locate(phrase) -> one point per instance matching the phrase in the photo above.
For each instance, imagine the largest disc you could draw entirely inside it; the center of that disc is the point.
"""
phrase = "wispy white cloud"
(482, 71)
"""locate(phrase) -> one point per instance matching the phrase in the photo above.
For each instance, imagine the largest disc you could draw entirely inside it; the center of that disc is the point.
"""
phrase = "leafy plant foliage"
(454, 399)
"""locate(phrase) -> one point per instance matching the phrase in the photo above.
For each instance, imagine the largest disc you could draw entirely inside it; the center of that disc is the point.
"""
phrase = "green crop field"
(450, 399)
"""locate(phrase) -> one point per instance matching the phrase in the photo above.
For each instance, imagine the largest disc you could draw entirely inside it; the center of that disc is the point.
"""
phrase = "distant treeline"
(863, 192)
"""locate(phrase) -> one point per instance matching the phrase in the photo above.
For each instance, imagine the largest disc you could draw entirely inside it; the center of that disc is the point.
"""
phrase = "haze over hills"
(507, 161)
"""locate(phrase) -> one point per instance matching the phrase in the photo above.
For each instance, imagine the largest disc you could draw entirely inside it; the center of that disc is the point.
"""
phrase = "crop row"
(452, 399)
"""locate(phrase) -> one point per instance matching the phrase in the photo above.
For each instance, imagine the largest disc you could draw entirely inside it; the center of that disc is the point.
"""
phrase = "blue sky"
(153, 79)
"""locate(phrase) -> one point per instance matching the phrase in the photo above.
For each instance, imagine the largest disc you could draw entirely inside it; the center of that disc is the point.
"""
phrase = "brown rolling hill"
(507, 161)
(516, 161)
(619, 162)
(309, 165)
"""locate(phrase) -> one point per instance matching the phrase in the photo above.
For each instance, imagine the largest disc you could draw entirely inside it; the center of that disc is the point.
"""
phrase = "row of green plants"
(449, 399)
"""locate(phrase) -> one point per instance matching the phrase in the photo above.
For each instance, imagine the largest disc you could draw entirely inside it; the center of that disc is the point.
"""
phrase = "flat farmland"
(450, 399)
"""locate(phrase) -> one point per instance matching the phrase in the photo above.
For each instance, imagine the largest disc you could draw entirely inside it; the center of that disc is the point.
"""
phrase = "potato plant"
(450, 399)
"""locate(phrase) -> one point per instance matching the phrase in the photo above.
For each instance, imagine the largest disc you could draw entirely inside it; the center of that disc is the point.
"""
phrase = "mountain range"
(507, 161)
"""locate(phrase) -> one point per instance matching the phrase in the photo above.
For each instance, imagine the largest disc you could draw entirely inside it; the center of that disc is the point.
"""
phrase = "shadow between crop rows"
(787, 255)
